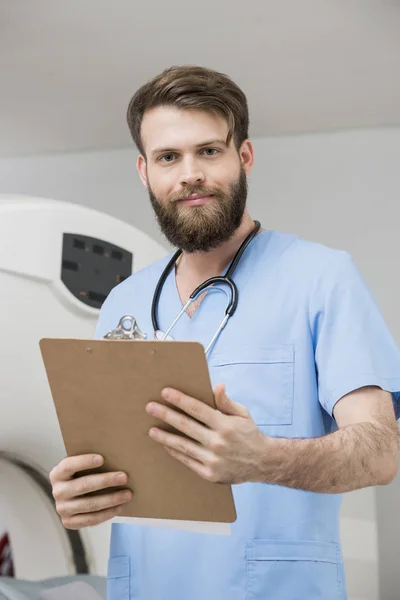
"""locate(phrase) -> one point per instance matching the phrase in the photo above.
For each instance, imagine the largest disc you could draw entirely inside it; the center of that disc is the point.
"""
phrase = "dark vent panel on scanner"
(91, 267)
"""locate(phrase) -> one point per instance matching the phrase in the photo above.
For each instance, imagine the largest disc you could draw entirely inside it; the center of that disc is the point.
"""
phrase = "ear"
(142, 170)
(246, 153)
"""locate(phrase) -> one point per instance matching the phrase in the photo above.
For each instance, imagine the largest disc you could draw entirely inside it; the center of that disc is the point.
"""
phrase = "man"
(306, 374)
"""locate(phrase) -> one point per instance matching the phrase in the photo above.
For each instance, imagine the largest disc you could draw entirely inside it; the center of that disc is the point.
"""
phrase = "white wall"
(341, 189)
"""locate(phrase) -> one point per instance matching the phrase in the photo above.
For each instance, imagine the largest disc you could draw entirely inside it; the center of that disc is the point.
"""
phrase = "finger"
(226, 405)
(179, 443)
(193, 464)
(88, 483)
(191, 406)
(90, 520)
(94, 503)
(71, 465)
(181, 422)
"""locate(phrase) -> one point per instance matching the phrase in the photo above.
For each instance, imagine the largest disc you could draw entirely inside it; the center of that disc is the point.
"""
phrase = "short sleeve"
(353, 346)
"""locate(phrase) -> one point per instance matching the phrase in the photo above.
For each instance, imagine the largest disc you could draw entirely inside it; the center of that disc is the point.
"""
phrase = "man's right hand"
(69, 491)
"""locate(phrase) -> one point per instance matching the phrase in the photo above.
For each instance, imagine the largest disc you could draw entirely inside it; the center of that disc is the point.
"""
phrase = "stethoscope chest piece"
(161, 337)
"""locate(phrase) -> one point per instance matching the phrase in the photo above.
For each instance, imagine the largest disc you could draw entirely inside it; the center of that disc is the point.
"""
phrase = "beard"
(205, 227)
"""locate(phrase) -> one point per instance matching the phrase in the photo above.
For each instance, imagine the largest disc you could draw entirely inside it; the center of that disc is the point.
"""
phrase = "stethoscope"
(224, 279)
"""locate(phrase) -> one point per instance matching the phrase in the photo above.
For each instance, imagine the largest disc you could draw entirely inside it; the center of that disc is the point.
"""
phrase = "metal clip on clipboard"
(127, 329)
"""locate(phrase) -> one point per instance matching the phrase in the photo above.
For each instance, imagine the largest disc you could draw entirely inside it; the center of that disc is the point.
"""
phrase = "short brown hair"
(192, 87)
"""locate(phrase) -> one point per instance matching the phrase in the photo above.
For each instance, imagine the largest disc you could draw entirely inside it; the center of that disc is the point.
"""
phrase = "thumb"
(226, 405)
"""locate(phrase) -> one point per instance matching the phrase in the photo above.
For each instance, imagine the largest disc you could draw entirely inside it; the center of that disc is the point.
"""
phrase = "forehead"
(166, 126)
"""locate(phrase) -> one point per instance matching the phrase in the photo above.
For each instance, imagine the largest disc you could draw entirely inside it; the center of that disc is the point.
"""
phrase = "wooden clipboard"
(100, 389)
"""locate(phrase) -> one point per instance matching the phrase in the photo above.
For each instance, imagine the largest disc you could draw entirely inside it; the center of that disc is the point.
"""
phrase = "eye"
(210, 151)
(167, 157)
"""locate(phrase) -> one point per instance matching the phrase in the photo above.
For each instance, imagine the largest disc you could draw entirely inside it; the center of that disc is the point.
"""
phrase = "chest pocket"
(261, 378)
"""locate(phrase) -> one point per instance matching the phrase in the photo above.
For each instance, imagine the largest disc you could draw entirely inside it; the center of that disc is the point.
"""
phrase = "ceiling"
(68, 69)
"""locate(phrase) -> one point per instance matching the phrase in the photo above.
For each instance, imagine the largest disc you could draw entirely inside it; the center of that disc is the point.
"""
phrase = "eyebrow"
(208, 143)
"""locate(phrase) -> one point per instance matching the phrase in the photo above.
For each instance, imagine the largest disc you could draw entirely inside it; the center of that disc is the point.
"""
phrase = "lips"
(195, 200)
(196, 197)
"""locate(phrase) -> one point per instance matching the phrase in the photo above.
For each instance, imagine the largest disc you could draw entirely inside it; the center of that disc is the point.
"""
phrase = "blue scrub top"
(306, 332)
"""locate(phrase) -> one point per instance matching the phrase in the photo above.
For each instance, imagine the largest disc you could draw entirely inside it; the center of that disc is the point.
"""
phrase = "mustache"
(195, 191)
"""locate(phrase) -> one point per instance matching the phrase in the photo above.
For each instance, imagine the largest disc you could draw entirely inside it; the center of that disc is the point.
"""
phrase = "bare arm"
(363, 452)
(226, 446)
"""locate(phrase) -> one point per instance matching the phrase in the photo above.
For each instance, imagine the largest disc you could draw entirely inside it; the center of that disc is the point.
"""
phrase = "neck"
(202, 265)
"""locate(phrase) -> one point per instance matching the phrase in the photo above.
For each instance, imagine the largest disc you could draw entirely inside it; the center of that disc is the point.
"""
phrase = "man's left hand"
(225, 445)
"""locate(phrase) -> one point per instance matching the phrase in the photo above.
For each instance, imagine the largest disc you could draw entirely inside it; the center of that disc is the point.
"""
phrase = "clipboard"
(100, 389)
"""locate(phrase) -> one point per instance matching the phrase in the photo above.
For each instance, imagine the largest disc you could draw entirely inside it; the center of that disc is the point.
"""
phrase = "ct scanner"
(58, 262)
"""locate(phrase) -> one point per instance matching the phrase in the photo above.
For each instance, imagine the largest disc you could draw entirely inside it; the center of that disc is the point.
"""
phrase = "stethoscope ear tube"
(239, 253)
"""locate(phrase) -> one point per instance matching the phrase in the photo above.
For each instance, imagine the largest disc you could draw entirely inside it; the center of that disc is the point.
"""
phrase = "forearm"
(356, 456)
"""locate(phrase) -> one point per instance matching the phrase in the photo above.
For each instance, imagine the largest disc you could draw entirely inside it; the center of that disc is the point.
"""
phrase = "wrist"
(269, 459)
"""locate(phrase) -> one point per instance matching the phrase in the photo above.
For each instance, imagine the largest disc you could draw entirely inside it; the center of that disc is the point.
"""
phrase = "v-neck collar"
(172, 275)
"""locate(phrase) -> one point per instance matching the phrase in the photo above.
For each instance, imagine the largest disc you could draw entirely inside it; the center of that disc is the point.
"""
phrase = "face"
(196, 183)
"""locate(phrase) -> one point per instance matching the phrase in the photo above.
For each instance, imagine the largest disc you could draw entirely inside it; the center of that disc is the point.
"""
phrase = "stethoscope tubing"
(221, 279)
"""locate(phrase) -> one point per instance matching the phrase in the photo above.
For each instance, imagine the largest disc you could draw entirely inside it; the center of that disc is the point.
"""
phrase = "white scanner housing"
(58, 261)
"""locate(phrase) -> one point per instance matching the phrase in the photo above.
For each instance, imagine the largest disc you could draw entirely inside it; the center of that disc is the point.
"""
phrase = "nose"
(191, 174)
